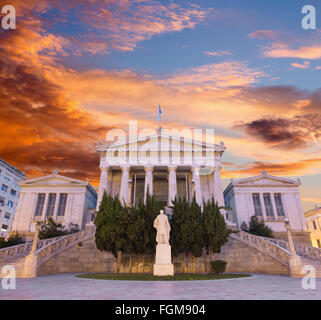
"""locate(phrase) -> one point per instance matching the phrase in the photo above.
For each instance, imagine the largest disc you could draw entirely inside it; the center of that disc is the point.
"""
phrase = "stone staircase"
(46, 249)
(16, 255)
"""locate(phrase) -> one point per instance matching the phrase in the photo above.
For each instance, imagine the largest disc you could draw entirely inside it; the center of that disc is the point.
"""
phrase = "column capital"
(195, 169)
(148, 168)
(104, 168)
(217, 169)
(172, 168)
(125, 168)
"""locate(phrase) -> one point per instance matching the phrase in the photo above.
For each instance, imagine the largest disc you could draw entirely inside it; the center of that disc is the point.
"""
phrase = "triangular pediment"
(53, 180)
(265, 180)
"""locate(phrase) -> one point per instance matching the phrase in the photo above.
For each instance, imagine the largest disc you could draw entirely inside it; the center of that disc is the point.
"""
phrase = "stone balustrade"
(263, 244)
(63, 243)
(301, 249)
(23, 249)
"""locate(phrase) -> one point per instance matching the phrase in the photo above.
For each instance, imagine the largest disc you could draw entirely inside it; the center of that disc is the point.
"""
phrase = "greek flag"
(159, 113)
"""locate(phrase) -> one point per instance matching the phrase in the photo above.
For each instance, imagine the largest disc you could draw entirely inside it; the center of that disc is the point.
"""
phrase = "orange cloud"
(281, 50)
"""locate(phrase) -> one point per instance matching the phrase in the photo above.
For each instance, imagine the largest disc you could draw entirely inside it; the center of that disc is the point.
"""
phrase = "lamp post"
(295, 262)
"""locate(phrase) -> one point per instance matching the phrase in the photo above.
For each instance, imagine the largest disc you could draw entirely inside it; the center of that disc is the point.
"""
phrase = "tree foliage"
(51, 229)
(257, 228)
(216, 231)
(13, 240)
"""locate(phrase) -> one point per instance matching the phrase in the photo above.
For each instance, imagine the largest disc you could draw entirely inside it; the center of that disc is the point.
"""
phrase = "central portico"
(165, 165)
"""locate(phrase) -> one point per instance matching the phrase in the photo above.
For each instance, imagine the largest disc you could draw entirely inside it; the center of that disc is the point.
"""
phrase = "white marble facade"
(65, 199)
(170, 167)
(271, 198)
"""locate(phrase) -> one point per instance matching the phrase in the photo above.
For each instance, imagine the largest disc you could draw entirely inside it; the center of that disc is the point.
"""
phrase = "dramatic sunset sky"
(74, 69)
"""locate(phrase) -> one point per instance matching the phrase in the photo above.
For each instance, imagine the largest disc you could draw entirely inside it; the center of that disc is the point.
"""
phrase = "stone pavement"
(67, 286)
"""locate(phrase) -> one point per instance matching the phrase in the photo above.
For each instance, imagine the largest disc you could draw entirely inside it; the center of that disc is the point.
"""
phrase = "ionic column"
(123, 193)
(172, 184)
(197, 185)
(148, 181)
(103, 184)
(218, 190)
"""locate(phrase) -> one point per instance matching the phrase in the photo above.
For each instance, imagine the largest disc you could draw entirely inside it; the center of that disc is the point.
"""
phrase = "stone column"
(218, 190)
(148, 181)
(123, 193)
(172, 184)
(295, 261)
(197, 185)
(30, 263)
(103, 184)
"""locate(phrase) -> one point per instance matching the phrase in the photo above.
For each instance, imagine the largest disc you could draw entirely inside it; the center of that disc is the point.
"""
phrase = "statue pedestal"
(163, 264)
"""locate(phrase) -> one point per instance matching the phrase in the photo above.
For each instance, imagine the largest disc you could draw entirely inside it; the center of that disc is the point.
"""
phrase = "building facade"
(313, 222)
(9, 195)
(270, 198)
(66, 200)
(167, 167)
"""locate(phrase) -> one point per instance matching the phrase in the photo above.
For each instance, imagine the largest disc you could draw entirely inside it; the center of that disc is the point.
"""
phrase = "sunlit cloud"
(304, 65)
(218, 53)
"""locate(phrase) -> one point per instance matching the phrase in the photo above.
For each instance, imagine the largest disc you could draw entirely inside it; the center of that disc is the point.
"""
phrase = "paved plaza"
(67, 286)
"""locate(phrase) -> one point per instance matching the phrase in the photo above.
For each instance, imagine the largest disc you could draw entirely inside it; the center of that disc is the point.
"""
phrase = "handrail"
(21, 250)
(63, 243)
(274, 250)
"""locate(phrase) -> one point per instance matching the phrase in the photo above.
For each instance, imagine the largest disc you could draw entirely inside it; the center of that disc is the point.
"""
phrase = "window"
(10, 204)
(268, 204)
(7, 179)
(279, 204)
(314, 225)
(62, 204)
(319, 243)
(257, 204)
(51, 204)
(4, 188)
(2, 201)
(7, 216)
(4, 227)
(13, 192)
(40, 203)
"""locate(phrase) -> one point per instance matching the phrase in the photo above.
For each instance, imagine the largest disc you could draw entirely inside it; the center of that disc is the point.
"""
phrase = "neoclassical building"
(272, 199)
(166, 165)
(65, 199)
(313, 222)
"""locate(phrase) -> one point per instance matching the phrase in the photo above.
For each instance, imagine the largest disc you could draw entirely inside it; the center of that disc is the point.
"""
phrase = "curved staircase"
(46, 249)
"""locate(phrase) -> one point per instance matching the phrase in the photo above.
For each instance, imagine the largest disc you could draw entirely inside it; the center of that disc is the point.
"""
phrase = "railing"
(23, 249)
(63, 243)
(301, 249)
(273, 249)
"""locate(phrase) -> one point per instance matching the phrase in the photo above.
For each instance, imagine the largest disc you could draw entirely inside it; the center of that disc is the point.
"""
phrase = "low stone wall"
(301, 237)
(87, 258)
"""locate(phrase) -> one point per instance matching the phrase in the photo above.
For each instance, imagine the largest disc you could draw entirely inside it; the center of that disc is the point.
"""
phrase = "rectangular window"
(4, 188)
(268, 204)
(2, 201)
(40, 204)
(13, 192)
(279, 204)
(10, 204)
(314, 225)
(7, 215)
(51, 204)
(257, 204)
(7, 179)
(4, 227)
(62, 204)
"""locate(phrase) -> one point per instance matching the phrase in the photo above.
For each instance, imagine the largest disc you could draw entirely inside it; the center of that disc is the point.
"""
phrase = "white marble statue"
(163, 228)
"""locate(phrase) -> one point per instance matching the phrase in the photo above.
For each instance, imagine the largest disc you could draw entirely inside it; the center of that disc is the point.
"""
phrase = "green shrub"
(257, 228)
(218, 266)
(51, 229)
(11, 241)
